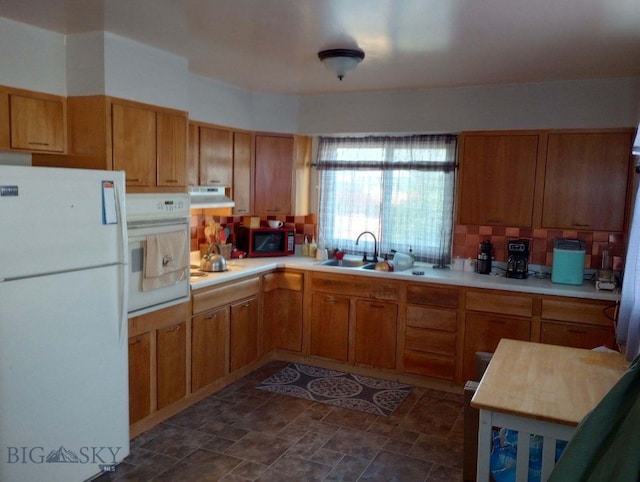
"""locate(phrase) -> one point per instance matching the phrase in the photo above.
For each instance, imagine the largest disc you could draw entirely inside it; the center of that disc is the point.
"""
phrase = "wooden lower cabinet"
(243, 333)
(577, 323)
(157, 361)
(234, 316)
(483, 332)
(330, 326)
(209, 335)
(139, 377)
(577, 336)
(172, 363)
(375, 334)
(430, 336)
(282, 311)
(355, 320)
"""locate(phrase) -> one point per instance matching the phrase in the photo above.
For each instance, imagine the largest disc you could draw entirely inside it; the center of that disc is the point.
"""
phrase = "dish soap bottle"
(313, 247)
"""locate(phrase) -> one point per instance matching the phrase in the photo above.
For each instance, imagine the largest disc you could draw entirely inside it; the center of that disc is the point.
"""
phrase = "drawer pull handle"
(34, 143)
(171, 180)
(211, 317)
(499, 322)
(137, 341)
(576, 330)
(173, 330)
(373, 305)
(133, 180)
(214, 181)
(330, 299)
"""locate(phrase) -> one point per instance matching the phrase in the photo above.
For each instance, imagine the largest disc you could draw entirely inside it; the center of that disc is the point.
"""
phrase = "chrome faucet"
(375, 246)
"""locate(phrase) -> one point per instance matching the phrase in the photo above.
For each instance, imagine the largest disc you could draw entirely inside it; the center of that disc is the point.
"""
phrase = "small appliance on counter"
(517, 258)
(485, 250)
(606, 279)
(568, 261)
(261, 242)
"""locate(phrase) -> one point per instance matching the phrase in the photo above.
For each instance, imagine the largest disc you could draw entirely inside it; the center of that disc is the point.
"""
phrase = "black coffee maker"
(517, 258)
(483, 263)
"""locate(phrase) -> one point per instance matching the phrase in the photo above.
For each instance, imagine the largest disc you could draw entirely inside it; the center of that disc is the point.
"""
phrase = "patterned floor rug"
(371, 395)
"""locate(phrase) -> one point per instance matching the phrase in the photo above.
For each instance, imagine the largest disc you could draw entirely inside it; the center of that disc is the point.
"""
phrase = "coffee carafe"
(483, 264)
(517, 258)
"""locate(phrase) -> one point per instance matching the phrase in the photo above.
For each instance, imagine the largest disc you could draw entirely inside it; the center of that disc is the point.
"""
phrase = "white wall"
(572, 104)
(32, 58)
(105, 63)
(139, 72)
(218, 103)
(102, 63)
(85, 64)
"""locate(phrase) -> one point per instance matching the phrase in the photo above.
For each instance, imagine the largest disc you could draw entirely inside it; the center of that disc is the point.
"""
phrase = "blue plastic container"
(568, 262)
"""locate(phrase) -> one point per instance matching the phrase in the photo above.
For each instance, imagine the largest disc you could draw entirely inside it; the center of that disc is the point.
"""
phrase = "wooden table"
(540, 389)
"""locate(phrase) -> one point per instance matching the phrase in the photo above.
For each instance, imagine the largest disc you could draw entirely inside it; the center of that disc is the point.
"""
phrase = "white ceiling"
(272, 45)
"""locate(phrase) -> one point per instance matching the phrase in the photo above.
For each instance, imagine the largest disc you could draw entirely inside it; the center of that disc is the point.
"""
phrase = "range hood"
(209, 197)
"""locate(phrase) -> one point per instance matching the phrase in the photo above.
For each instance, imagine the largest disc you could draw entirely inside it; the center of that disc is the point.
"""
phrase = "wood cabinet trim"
(499, 302)
(207, 298)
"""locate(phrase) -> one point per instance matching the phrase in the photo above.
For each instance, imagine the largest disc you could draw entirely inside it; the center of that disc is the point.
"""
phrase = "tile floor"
(241, 433)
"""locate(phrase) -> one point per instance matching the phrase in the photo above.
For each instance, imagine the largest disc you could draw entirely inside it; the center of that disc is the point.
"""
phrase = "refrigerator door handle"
(124, 250)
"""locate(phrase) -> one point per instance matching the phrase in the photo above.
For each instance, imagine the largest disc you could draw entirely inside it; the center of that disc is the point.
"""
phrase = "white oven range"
(152, 214)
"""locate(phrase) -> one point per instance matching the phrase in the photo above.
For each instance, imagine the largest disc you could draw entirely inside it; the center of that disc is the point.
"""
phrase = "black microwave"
(260, 242)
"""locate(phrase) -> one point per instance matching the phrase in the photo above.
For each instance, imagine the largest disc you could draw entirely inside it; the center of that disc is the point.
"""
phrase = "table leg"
(484, 445)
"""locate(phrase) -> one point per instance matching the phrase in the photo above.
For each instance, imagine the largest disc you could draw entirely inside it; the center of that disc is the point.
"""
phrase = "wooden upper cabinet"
(171, 149)
(193, 155)
(273, 174)
(134, 144)
(216, 156)
(242, 157)
(37, 124)
(586, 181)
(497, 179)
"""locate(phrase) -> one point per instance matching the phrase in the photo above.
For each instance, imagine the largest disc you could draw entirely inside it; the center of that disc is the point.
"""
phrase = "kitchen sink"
(349, 263)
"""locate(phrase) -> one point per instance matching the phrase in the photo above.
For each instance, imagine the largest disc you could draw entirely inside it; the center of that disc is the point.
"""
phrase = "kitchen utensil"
(213, 262)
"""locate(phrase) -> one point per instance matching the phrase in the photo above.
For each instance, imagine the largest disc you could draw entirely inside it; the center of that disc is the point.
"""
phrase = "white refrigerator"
(64, 412)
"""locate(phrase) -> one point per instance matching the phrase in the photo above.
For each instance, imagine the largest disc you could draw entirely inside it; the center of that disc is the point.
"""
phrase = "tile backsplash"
(467, 237)
(304, 225)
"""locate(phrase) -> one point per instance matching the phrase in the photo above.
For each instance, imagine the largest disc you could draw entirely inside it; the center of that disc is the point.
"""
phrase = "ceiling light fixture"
(341, 61)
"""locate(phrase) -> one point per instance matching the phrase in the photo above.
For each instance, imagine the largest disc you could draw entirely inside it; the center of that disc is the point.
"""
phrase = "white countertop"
(239, 268)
